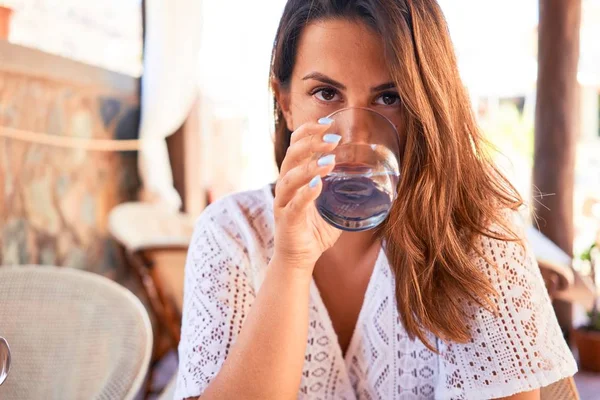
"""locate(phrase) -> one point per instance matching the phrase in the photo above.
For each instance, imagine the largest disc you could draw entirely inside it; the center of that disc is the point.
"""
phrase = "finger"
(307, 147)
(304, 198)
(310, 128)
(286, 188)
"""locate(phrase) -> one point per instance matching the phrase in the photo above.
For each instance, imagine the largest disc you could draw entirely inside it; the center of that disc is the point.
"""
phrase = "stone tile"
(109, 109)
(54, 201)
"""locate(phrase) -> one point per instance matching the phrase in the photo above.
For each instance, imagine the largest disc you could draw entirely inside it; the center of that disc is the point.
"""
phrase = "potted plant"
(587, 337)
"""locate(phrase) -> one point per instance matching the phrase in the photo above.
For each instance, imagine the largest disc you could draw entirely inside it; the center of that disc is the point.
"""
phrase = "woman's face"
(339, 63)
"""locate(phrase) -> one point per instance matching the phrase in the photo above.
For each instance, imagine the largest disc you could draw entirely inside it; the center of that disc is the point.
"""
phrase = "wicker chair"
(557, 278)
(154, 244)
(146, 233)
(562, 390)
(72, 334)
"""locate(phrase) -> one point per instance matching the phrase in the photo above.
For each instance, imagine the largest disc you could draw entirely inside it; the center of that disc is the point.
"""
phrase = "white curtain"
(169, 87)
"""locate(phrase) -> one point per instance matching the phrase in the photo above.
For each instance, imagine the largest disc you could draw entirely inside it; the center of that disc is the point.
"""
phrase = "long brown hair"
(451, 191)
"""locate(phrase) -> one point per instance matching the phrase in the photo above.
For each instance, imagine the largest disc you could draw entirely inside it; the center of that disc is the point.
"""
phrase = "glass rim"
(365, 109)
(396, 136)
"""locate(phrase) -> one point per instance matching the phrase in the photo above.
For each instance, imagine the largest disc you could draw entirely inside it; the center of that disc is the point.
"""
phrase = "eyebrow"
(329, 81)
(385, 86)
(325, 79)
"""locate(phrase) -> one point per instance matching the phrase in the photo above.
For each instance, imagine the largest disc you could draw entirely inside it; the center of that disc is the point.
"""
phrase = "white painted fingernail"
(332, 138)
(325, 121)
(314, 181)
(326, 160)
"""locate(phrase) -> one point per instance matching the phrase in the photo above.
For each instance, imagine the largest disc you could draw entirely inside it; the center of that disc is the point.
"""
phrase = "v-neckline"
(316, 298)
(315, 295)
(345, 360)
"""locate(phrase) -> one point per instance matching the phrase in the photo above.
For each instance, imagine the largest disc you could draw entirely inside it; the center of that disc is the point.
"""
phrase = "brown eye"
(388, 99)
(326, 94)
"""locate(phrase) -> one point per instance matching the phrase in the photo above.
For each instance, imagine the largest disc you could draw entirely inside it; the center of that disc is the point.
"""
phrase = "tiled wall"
(54, 201)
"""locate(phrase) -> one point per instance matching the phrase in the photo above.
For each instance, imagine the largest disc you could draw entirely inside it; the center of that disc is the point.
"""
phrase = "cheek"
(402, 143)
(398, 119)
(303, 109)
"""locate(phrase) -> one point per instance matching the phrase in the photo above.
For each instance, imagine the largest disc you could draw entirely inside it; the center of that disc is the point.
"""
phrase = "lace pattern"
(519, 349)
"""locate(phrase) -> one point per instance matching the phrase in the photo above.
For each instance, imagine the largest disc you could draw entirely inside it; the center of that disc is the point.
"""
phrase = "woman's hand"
(301, 235)
(267, 357)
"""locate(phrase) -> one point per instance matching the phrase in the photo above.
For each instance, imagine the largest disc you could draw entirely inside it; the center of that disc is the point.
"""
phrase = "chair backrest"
(564, 389)
(72, 334)
(556, 277)
(138, 225)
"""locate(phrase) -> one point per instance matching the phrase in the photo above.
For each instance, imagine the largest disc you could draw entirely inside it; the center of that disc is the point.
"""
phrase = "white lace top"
(521, 349)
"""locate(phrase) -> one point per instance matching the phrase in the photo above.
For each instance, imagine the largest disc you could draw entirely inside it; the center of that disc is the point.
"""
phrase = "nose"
(359, 125)
(365, 125)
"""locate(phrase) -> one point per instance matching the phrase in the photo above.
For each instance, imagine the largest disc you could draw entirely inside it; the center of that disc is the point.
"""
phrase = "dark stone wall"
(54, 202)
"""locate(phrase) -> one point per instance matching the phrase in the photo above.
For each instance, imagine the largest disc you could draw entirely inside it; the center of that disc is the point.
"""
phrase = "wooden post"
(555, 129)
(185, 153)
(556, 119)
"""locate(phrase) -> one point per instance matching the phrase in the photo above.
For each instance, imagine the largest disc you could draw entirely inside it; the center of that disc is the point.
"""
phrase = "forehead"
(341, 49)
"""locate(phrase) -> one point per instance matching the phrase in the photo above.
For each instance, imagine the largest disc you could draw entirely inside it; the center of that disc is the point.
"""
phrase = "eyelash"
(321, 89)
(336, 92)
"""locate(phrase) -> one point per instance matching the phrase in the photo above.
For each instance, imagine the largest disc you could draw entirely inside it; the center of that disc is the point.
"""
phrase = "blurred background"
(120, 120)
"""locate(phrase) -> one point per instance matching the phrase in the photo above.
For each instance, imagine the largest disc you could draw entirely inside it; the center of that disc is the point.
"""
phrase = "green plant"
(587, 255)
(511, 132)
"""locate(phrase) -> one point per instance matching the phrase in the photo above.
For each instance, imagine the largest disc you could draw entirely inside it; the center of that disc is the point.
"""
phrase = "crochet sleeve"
(521, 348)
(217, 297)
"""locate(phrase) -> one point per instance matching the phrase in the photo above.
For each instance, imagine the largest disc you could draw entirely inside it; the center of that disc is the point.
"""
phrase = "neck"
(352, 248)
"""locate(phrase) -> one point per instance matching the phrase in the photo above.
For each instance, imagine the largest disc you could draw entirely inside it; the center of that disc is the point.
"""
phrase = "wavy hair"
(452, 193)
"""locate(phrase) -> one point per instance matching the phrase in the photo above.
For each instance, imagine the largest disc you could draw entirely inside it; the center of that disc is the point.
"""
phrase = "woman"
(442, 301)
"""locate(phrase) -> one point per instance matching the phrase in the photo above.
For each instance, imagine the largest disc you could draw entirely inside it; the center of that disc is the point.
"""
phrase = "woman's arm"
(266, 360)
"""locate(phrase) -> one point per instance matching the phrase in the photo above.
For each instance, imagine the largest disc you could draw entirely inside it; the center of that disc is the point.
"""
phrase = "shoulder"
(518, 346)
(239, 216)
(221, 278)
(508, 255)
(241, 206)
(239, 226)
(511, 268)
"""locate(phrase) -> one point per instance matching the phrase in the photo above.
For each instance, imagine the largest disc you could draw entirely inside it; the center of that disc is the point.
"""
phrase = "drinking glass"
(4, 359)
(358, 194)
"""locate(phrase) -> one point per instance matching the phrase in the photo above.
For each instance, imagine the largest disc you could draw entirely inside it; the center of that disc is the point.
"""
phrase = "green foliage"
(587, 254)
(594, 323)
(510, 132)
